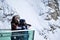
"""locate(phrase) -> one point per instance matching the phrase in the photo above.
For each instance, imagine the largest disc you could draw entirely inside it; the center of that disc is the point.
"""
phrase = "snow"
(29, 10)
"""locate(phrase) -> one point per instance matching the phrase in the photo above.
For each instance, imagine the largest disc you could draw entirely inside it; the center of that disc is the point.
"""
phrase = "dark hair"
(13, 19)
(15, 22)
(22, 21)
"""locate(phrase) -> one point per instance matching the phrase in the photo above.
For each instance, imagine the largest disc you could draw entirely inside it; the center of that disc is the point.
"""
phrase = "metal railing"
(19, 34)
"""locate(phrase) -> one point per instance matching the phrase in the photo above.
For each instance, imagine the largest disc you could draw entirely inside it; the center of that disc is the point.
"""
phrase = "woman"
(14, 25)
(15, 22)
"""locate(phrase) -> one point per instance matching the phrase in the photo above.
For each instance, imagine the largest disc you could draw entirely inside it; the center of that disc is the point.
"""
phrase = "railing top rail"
(8, 30)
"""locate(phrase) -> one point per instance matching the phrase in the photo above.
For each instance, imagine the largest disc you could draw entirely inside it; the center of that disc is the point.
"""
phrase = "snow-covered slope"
(35, 13)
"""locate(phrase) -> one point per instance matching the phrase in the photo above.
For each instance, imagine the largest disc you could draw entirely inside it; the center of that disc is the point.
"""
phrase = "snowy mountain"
(6, 13)
(38, 13)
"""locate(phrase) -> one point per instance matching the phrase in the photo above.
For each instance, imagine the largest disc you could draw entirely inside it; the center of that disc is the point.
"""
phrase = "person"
(14, 25)
(15, 22)
(24, 26)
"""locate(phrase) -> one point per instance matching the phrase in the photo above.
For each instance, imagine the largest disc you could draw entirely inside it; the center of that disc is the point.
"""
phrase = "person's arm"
(28, 25)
